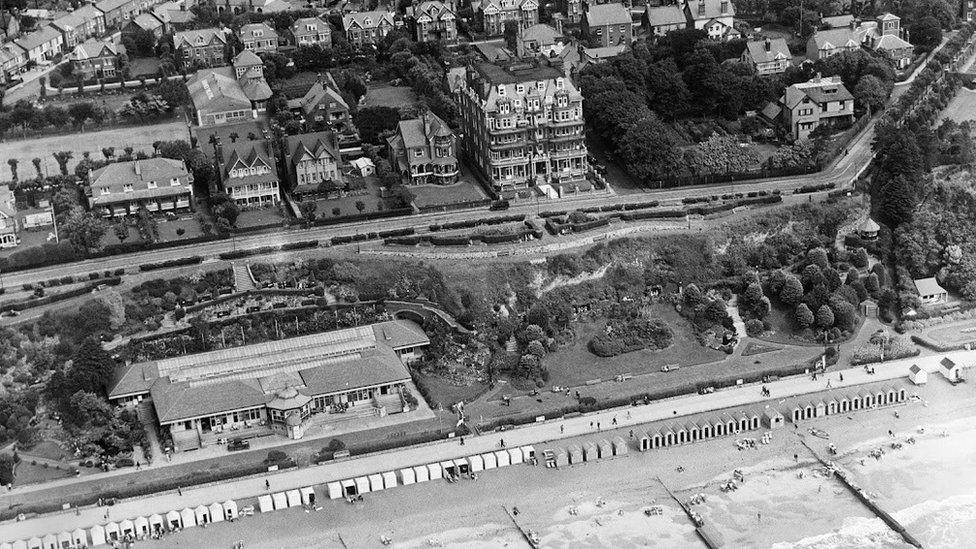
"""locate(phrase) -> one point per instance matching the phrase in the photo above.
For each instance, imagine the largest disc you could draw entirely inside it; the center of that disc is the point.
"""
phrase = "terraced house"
(311, 30)
(524, 127)
(83, 23)
(423, 151)
(607, 25)
(367, 28)
(117, 11)
(259, 38)
(205, 47)
(249, 173)
(495, 13)
(155, 184)
(433, 21)
(41, 45)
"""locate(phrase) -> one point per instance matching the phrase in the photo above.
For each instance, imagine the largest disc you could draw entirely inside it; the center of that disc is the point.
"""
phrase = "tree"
(896, 201)
(62, 157)
(336, 211)
(797, 155)
(511, 34)
(83, 229)
(870, 92)
(803, 316)
(792, 291)
(721, 154)
(926, 33)
(79, 112)
(360, 205)
(121, 230)
(859, 258)
(91, 367)
(754, 327)
(825, 317)
(88, 410)
(650, 149)
(173, 92)
(845, 314)
(224, 207)
(37, 167)
(871, 283)
(13, 168)
(818, 256)
(307, 209)
(374, 121)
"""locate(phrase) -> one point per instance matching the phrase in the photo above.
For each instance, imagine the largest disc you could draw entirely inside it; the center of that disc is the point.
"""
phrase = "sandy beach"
(930, 486)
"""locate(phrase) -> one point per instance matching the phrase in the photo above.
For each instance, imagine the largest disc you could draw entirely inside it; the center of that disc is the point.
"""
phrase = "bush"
(754, 327)
(336, 445)
(275, 456)
(171, 263)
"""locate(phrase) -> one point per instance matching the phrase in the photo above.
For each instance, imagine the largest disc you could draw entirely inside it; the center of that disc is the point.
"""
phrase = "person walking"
(614, 422)
(267, 484)
(562, 429)
(462, 441)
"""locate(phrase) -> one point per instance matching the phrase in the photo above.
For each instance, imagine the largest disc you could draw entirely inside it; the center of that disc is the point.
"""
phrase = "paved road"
(842, 172)
(535, 434)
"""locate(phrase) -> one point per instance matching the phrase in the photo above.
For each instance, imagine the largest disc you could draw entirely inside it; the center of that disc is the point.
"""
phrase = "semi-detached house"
(368, 27)
(156, 184)
(249, 173)
(203, 46)
(313, 159)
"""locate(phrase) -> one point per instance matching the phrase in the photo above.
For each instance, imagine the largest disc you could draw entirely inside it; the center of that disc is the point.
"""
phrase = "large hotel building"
(523, 127)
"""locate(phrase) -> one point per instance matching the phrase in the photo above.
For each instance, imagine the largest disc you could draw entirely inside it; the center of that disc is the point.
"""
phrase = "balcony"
(566, 153)
(510, 161)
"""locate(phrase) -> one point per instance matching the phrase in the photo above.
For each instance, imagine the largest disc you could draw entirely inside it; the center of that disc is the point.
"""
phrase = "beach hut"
(475, 463)
(731, 427)
(590, 451)
(515, 456)
(575, 452)
(79, 538)
(681, 434)
(949, 369)
(619, 446)
(448, 469)
(502, 457)
(174, 521)
(421, 473)
(892, 395)
(216, 512)
(796, 413)
(112, 532)
(127, 528)
(880, 396)
(335, 490)
(657, 439)
(772, 419)
(902, 394)
(643, 442)
(6, 545)
(562, 457)
(188, 517)
(308, 494)
(490, 461)
(202, 514)
(808, 410)
(156, 523)
(461, 466)
(844, 403)
(64, 540)
(294, 498)
(707, 430)
(265, 503)
(349, 487)
(375, 482)
(140, 526)
(670, 439)
(49, 541)
(692, 428)
(720, 428)
(389, 480)
(605, 449)
(867, 399)
(434, 471)
(280, 501)
(528, 454)
(21, 544)
(407, 476)
(819, 408)
(35, 543)
(362, 485)
(831, 406)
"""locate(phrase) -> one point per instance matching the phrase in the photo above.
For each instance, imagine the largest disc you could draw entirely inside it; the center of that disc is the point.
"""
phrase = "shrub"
(336, 445)
(754, 327)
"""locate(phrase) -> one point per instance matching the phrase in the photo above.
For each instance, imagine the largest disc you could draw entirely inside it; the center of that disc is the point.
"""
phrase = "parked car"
(237, 444)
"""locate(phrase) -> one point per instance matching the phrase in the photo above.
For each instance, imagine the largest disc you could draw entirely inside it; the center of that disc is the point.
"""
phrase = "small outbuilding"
(280, 500)
(113, 533)
(772, 419)
(389, 480)
(79, 538)
(930, 292)
(230, 509)
(575, 454)
(605, 449)
(515, 456)
(590, 451)
(362, 485)
(216, 512)
(561, 457)
(422, 473)
(265, 503)
(349, 487)
(949, 369)
(619, 446)
(503, 459)
(189, 518)
(201, 513)
(335, 490)
(868, 230)
(64, 540)
(375, 482)
(294, 498)
(476, 463)
(407, 476)
(434, 471)
(490, 461)
(141, 525)
(173, 522)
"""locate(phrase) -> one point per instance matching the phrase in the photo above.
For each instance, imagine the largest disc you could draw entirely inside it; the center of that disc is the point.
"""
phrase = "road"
(534, 434)
(842, 172)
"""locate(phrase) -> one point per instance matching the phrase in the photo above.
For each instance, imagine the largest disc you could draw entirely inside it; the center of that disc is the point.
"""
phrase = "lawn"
(144, 66)
(574, 364)
(259, 217)
(434, 196)
(952, 334)
(36, 474)
(962, 107)
(28, 239)
(372, 201)
(111, 239)
(381, 94)
(47, 449)
(446, 394)
(168, 228)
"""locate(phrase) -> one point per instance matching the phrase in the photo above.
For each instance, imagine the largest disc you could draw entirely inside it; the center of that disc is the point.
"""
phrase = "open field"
(35, 474)
(384, 95)
(962, 107)
(139, 138)
(574, 364)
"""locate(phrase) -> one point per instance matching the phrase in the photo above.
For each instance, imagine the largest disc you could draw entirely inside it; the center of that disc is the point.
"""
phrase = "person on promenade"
(614, 422)
(462, 441)
(267, 484)
(562, 429)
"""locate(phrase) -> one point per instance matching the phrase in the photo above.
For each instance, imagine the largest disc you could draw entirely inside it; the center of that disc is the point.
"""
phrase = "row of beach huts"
(687, 430)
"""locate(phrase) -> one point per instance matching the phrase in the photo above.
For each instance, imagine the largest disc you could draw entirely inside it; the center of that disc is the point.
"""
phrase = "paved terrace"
(534, 434)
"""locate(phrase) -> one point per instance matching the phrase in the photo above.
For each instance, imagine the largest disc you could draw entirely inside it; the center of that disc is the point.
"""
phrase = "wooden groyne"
(525, 534)
(703, 534)
(862, 496)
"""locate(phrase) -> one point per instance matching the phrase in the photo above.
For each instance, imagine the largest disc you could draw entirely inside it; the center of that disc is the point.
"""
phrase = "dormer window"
(367, 21)
(559, 83)
(258, 33)
(501, 90)
(151, 184)
(310, 27)
(175, 182)
(106, 190)
(520, 89)
(127, 188)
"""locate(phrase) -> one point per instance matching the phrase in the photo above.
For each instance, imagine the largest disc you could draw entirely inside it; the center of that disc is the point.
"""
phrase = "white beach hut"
(605, 448)
(619, 446)
(590, 452)
(265, 503)
(528, 454)
(6, 545)
(490, 460)
(174, 520)
(79, 538)
(475, 463)
(461, 466)
(503, 459)
(335, 490)
(389, 480)
(156, 522)
(230, 509)
(515, 455)
(35, 543)
(202, 514)
(127, 528)
(407, 476)
(561, 457)
(49, 541)
(421, 473)
(362, 485)
(216, 512)
(575, 454)
(294, 498)
(434, 471)
(280, 500)
(448, 469)
(308, 495)
(189, 518)
(917, 375)
(64, 539)
(112, 532)
(349, 487)
(375, 482)
(21, 544)
(141, 525)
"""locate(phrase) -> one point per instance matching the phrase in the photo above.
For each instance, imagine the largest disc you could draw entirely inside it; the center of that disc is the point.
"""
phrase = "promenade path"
(534, 434)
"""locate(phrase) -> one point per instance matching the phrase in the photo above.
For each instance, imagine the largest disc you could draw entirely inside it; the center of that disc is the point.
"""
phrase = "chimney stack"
(769, 45)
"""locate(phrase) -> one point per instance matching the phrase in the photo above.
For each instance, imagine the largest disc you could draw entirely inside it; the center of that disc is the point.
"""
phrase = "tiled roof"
(181, 400)
(359, 20)
(836, 38)
(928, 286)
(433, 10)
(815, 90)
(246, 153)
(109, 5)
(713, 9)
(319, 92)
(35, 39)
(541, 33)
(600, 15)
(246, 58)
(147, 22)
(311, 145)
(91, 48)
(760, 54)
(77, 18)
(838, 20)
(158, 170)
(891, 42)
(605, 52)
(375, 368)
(134, 379)
(665, 15)
(300, 26)
(257, 31)
(190, 37)
(216, 90)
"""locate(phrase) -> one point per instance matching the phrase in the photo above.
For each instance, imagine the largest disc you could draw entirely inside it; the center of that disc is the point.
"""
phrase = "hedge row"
(463, 240)
(814, 188)
(237, 254)
(362, 217)
(471, 223)
(54, 298)
(937, 347)
(557, 228)
(192, 260)
(621, 207)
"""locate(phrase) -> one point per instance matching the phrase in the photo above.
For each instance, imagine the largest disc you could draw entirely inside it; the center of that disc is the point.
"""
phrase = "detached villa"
(423, 151)
(286, 387)
(156, 184)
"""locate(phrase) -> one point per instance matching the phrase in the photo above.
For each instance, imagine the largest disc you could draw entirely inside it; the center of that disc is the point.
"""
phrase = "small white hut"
(917, 375)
